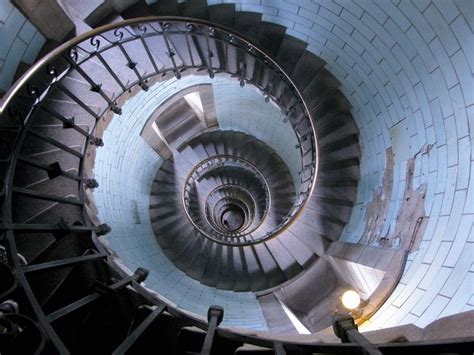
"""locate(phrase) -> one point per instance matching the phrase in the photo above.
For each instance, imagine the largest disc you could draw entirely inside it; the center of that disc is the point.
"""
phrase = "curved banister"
(216, 162)
(245, 200)
(233, 38)
(27, 96)
(37, 96)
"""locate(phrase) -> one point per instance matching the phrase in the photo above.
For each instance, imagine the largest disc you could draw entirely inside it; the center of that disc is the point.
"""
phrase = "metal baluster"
(56, 144)
(53, 170)
(150, 56)
(188, 45)
(279, 348)
(133, 65)
(210, 54)
(57, 264)
(46, 197)
(67, 122)
(138, 276)
(78, 101)
(35, 306)
(215, 314)
(111, 72)
(133, 337)
(94, 86)
(170, 53)
(345, 328)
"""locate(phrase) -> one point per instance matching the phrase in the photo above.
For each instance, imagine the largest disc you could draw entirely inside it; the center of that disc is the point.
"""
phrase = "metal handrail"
(292, 344)
(209, 30)
(250, 212)
(224, 204)
(216, 162)
(32, 90)
(9, 227)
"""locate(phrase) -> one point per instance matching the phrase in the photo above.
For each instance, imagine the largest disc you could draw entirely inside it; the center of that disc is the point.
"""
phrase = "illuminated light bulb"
(350, 299)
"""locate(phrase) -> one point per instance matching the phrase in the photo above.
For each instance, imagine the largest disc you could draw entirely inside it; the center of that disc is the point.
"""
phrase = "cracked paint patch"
(377, 209)
(411, 219)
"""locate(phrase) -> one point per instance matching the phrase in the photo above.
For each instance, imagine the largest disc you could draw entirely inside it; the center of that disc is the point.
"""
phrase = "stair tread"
(247, 24)
(270, 36)
(222, 14)
(194, 8)
(290, 51)
(164, 8)
(283, 258)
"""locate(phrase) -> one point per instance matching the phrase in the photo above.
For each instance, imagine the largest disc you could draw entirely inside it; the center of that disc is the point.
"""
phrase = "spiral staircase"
(225, 208)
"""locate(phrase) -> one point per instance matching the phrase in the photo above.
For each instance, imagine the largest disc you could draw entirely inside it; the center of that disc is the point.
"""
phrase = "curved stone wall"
(265, 121)
(406, 67)
(125, 169)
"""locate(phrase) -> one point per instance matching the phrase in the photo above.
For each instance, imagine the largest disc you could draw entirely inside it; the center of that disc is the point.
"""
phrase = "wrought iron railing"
(209, 165)
(224, 196)
(110, 47)
(23, 103)
(25, 99)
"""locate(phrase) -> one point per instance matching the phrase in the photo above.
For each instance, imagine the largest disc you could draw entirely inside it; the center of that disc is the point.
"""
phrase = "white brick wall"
(265, 121)
(405, 60)
(396, 60)
(125, 168)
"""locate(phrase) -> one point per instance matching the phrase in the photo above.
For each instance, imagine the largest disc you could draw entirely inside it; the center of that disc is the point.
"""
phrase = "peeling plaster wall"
(377, 208)
(411, 219)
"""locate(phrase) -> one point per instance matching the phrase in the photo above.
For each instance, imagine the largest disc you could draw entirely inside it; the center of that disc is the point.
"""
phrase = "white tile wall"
(125, 169)
(410, 60)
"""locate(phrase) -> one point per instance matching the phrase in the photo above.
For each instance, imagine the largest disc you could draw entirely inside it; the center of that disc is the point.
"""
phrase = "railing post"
(91, 183)
(102, 229)
(278, 348)
(18, 333)
(346, 329)
(215, 314)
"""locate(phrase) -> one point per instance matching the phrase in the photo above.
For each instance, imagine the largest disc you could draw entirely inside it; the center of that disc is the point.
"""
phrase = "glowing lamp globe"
(350, 299)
